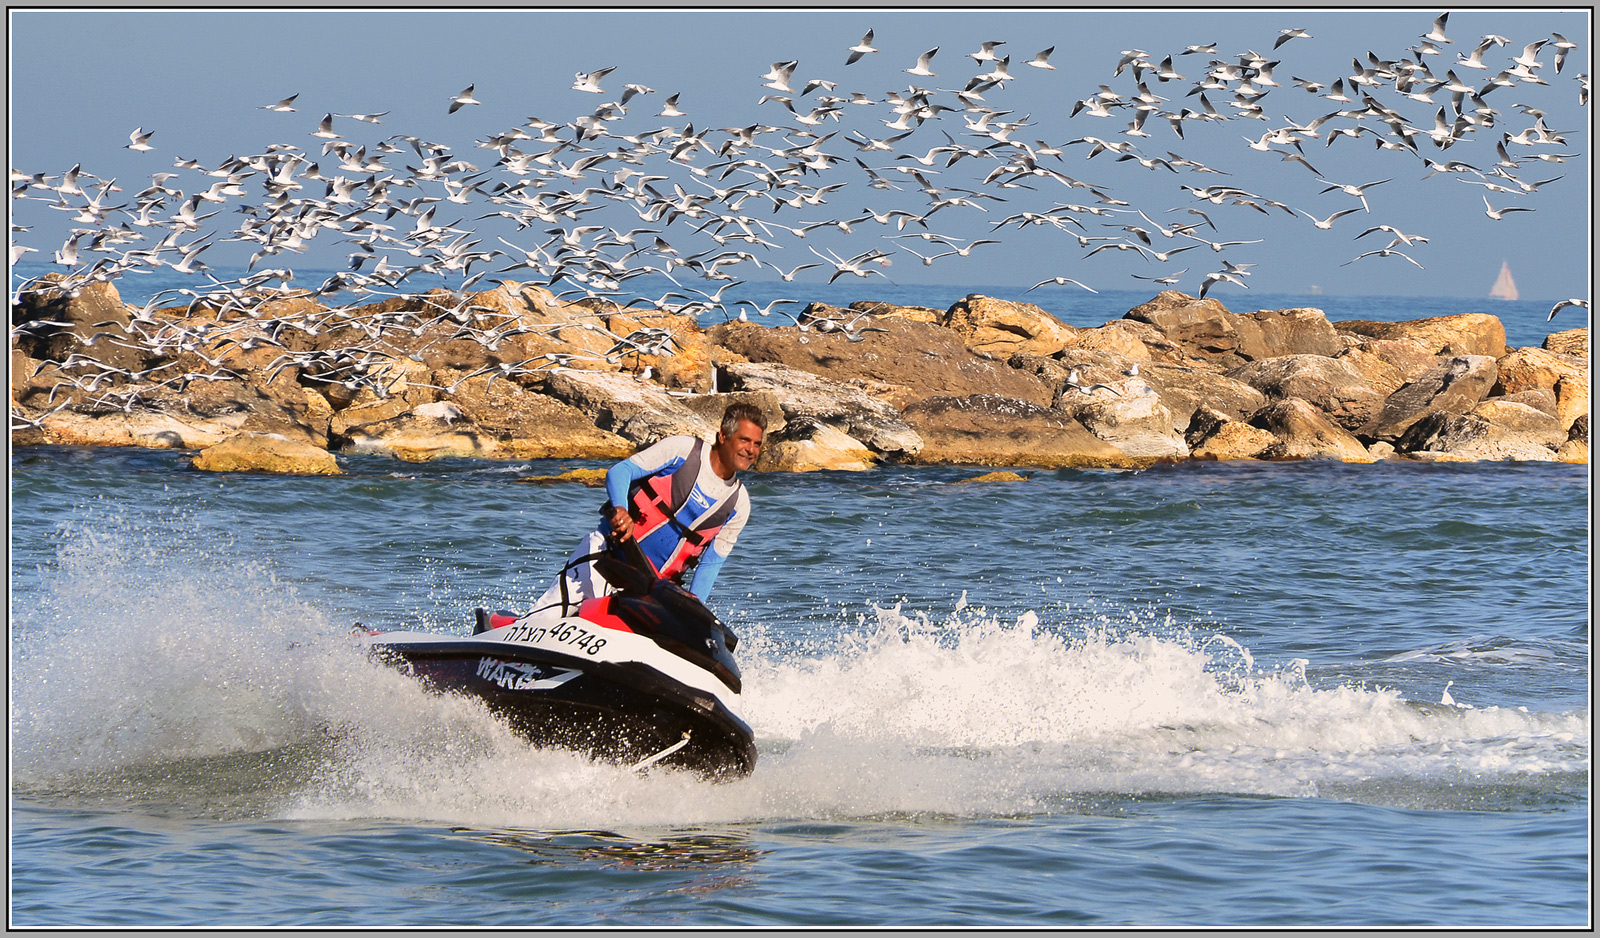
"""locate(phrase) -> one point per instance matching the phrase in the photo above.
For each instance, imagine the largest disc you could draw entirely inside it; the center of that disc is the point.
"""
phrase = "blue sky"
(81, 82)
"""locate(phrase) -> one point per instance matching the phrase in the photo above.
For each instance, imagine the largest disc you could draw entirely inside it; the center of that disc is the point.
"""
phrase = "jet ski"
(642, 676)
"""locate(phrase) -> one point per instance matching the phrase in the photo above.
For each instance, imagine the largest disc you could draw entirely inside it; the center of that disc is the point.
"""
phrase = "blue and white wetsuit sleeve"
(716, 553)
(620, 477)
(647, 462)
(705, 573)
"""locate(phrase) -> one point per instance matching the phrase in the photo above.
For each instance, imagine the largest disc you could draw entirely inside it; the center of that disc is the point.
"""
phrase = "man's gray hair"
(737, 413)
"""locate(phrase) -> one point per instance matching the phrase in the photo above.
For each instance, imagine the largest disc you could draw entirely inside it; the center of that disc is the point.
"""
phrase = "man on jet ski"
(681, 500)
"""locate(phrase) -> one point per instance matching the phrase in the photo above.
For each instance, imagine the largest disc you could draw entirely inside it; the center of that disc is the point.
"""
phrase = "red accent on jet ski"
(598, 611)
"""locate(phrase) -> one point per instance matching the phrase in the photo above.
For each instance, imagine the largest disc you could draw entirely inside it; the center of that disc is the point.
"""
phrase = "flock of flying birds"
(703, 204)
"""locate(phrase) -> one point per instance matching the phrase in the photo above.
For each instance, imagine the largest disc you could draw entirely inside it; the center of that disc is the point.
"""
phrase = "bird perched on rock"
(1075, 384)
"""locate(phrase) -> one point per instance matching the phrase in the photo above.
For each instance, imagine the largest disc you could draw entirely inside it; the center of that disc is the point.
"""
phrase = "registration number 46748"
(564, 633)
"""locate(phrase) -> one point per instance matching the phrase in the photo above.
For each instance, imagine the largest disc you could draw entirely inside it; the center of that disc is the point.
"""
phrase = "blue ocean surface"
(1272, 695)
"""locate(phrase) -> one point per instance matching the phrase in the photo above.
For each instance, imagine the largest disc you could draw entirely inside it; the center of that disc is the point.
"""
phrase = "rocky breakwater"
(279, 380)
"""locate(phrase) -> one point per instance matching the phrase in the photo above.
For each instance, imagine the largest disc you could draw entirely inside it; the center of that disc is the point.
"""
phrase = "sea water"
(1214, 695)
(1200, 694)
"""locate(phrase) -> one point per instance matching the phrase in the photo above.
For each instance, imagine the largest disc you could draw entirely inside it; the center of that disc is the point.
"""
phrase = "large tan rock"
(511, 324)
(1184, 389)
(988, 430)
(1574, 451)
(266, 452)
(1213, 435)
(1453, 385)
(1128, 339)
(410, 438)
(916, 358)
(686, 361)
(281, 408)
(138, 427)
(300, 322)
(881, 310)
(1295, 331)
(367, 409)
(1441, 436)
(38, 386)
(1305, 432)
(1333, 385)
(524, 424)
(1574, 342)
(1576, 447)
(1410, 356)
(1463, 334)
(1523, 420)
(1057, 372)
(1572, 398)
(23, 368)
(808, 445)
(999, 328)
(96, 323)
(1131, 417)
(1533, 368)
(494, 421)
(571, 328)
(1204, 328)
(1207, 332)
(1537, 398)
(1379, 375)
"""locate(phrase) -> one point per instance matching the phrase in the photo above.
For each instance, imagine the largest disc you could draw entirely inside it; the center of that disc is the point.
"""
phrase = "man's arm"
(705, 574)
(717, 552)
(618, 479)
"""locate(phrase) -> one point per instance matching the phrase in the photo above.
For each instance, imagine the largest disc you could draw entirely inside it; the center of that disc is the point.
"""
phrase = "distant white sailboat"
(1504, 287)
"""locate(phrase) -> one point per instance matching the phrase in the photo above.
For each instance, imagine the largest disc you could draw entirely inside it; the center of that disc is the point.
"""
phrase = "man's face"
(741, 449)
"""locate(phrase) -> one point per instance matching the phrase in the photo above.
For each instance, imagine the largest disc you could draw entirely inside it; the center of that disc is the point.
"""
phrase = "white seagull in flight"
(590, 81)
(463, 99)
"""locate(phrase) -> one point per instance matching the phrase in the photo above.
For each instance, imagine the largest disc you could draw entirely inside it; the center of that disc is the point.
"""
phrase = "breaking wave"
(216, 683)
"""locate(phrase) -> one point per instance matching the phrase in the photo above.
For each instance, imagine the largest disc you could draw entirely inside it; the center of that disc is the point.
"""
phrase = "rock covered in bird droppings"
(1446, 437)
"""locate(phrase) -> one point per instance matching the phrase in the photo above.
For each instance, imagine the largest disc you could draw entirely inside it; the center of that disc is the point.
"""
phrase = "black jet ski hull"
(623, 711)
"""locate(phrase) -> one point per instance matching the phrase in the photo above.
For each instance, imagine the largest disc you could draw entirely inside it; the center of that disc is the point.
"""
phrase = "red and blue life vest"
(669, 532)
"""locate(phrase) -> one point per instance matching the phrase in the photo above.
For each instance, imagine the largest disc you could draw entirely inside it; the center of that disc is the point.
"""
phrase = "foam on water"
(182, 655)
(124, 660)
(1144, 708)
